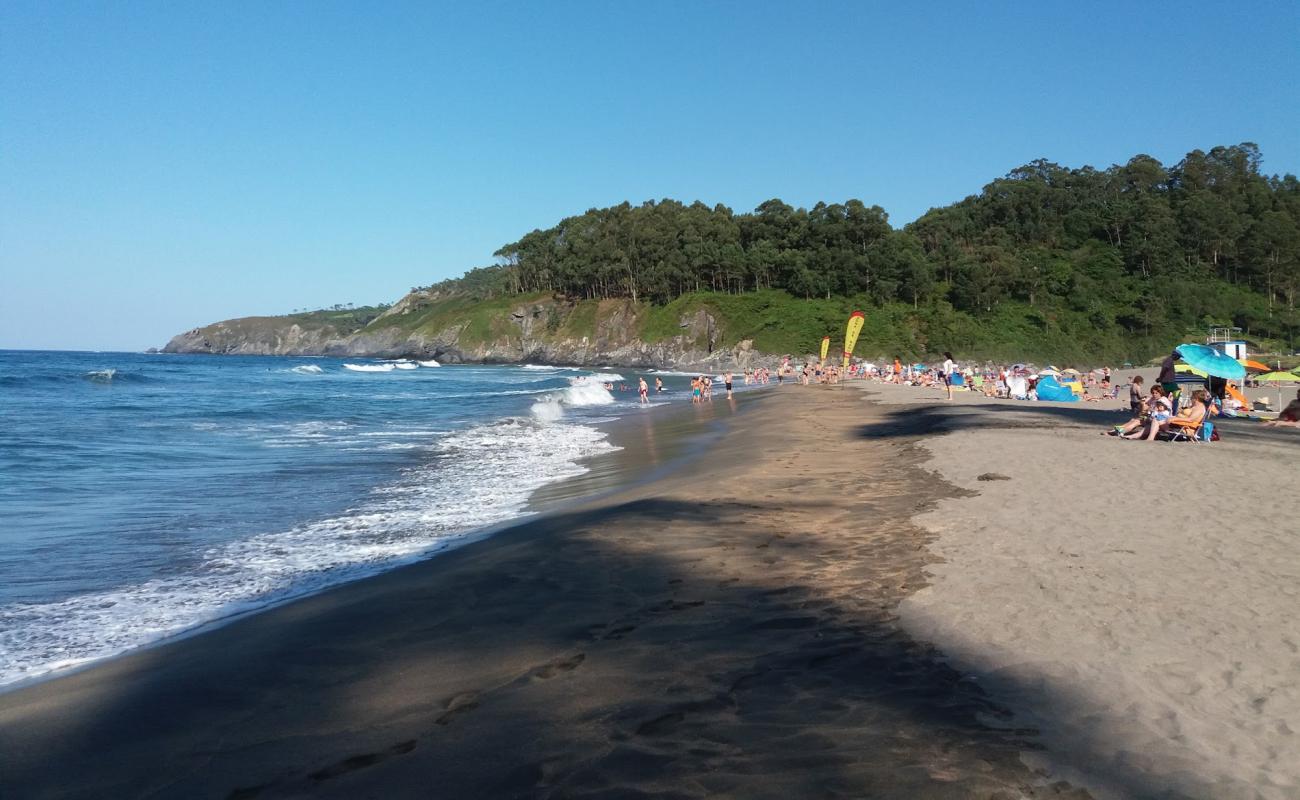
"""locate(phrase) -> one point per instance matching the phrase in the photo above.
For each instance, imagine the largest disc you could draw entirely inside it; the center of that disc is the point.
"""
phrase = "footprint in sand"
(362, 761)
(553, 667)
(457, 705)
(660, 725)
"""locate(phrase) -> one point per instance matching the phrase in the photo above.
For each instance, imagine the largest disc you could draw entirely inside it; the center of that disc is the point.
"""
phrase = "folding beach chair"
(1186, 430)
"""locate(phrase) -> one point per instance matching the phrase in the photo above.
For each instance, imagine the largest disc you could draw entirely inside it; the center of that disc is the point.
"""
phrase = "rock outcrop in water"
(454, 328)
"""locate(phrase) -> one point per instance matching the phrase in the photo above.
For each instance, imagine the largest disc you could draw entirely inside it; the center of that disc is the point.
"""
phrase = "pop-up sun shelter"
(1050, 389)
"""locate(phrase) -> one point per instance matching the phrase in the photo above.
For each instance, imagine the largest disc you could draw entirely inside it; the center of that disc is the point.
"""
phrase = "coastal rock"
(447, 327)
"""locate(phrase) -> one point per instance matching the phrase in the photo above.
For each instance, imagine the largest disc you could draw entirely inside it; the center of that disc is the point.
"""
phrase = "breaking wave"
(480, 476)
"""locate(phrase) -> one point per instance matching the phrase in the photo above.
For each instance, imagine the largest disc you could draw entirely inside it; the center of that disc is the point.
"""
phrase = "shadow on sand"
(576, 655)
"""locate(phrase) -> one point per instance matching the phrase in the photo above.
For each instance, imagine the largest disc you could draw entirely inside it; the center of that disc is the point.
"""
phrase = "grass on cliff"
(345, 321)
(479, 321)
(779, 323)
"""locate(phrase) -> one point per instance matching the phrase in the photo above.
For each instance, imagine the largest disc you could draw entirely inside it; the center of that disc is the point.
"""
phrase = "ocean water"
(142, 496)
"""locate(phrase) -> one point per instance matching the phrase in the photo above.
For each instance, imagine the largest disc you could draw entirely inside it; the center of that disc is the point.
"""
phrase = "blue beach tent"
(1051, 389)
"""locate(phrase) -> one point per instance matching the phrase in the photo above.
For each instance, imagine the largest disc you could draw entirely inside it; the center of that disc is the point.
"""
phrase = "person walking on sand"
(948, 368)
(644, 389)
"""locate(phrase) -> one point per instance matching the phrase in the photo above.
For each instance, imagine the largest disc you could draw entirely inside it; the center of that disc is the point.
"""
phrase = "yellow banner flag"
(851, 335)
(826, 347)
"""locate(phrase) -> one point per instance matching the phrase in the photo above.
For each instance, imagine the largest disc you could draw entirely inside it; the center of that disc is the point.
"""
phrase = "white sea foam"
(483, 475)
(607, 377)
(548, 410)
(430, 363)
(586, 392)
(539, 366)
(307, 369)
(581, 392)
(369, 367)
(101, 375)
(406, 365)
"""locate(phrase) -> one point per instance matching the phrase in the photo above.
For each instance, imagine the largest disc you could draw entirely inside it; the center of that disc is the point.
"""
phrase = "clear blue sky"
(165, 165)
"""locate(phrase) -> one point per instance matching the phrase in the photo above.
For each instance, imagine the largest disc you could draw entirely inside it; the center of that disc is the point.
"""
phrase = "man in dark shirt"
(1168, 378)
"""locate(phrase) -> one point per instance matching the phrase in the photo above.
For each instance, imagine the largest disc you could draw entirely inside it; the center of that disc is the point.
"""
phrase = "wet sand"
(729, 629)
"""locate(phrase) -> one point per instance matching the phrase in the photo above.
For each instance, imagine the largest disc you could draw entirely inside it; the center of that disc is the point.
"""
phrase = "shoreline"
(726, 628)
(605, 474)
(827, 590)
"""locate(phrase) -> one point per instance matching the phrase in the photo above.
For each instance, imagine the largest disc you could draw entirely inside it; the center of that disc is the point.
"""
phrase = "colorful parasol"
(1211, 361)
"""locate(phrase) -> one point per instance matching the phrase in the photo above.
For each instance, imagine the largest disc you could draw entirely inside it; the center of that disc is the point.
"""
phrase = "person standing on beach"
(727, 383)
(1136, 402)
(948, 367)
(644, 389)
(659, 385)
(1168, 378)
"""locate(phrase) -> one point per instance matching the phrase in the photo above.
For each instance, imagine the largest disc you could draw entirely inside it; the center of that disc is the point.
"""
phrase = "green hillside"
(1048, 261)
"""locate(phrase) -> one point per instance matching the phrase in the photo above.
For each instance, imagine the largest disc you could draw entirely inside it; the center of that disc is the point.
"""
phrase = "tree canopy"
(1140, 248)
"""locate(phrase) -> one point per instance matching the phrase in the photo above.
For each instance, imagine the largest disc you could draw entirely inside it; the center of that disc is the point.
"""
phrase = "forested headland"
(1048, 261)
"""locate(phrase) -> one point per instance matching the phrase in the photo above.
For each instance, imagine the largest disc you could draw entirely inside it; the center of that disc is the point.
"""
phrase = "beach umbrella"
(1211, 361)
(1279, 378)
(1049, 371)
(1188, 369)
(1070, 371)
(1254, 366)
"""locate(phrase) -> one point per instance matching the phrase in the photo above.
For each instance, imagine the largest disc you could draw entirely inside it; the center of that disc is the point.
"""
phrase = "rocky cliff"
(456, 328)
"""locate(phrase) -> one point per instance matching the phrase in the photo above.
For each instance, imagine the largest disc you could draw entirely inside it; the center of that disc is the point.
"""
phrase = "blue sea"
(143, 495)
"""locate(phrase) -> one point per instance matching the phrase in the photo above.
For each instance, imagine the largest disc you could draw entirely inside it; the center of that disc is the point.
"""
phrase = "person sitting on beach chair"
(1194, 413)
(1187, 425)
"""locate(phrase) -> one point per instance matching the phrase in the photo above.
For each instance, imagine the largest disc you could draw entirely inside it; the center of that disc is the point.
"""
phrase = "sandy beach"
(729, 630)
(1134, 602)
(768, 619)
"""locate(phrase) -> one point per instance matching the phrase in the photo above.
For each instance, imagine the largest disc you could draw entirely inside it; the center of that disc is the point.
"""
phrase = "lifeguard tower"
(1227, 341)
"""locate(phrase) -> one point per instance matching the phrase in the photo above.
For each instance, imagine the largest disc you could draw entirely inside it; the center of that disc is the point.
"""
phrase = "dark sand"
(726, 631)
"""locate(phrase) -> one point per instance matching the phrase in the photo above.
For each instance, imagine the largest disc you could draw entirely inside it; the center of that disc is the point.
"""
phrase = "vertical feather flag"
(826, 348)
(851, 335)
